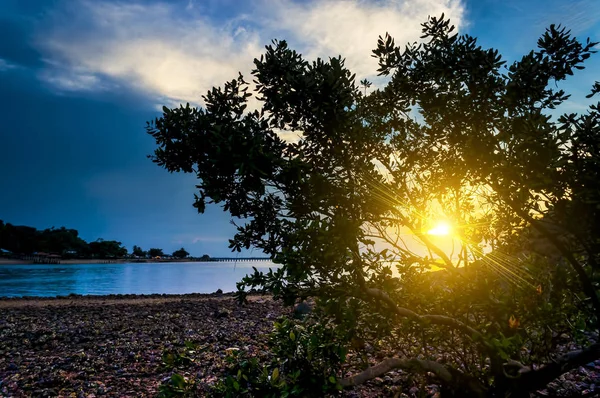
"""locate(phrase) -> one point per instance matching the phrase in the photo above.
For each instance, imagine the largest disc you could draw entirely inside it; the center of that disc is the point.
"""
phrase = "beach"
(10, 261)
(113, 346)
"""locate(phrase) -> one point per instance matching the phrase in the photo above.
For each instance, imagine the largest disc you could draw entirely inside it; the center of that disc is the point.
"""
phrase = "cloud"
(72, 80)
(5, 65)
(176, 52)
(209, 239)
(149, 48)
(576, 15)
(191, 238)
(288, 136)
(351, 28)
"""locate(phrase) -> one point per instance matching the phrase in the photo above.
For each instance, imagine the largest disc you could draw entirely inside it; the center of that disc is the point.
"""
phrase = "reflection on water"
(132, 278)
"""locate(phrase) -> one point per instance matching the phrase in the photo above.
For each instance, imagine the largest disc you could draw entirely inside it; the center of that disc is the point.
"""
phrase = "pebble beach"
(114, 346)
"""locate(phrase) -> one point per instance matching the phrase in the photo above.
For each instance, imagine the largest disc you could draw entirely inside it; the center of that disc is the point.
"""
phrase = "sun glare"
(441, 228)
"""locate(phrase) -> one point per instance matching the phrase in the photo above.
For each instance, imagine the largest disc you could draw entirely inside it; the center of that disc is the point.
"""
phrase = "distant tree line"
(25, 240)
(156, 252)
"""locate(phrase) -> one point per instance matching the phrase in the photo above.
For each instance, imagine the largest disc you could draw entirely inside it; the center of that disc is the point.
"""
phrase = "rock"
(221, 313)
(270, 315)
(124, 344)
(219, 292)
(302, 309)
(433, 389)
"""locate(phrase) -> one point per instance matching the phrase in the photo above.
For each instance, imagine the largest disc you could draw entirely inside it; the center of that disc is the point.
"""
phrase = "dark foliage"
(155, 252)
(181, 253)
(21, 240)
(454, 134)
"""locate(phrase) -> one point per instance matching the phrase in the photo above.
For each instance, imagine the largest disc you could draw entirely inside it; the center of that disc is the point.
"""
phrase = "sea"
(49, 280)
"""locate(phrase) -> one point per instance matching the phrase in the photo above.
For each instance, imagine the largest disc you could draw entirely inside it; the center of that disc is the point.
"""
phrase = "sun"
(441, 228)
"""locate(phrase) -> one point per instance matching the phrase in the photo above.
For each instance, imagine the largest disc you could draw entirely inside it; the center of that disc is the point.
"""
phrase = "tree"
(137, 251)
(60, 241)
(107, 249)
(205, 257)
(20, 239)
(154, 252)
(350, 210)
(181, 253)
(3, 234)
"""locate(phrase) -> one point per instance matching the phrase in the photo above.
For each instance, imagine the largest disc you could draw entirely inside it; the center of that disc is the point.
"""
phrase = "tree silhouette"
(137, 251)
(456, 135)
(181, 253)
(154, 252)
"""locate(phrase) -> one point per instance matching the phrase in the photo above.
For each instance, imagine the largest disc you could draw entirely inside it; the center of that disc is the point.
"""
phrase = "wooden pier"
(237, 259)
(43, 258)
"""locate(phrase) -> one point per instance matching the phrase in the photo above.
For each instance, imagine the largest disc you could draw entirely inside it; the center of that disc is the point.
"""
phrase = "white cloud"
(146, 47)
(288, 136)
(351, 28)
(576, 15)
(209, 239)
(71, 80)
(191, 238)
(5, 65)
(177, 58)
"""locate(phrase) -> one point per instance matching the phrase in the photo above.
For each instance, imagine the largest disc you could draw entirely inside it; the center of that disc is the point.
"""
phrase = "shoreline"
(10, 261)
(115, 299)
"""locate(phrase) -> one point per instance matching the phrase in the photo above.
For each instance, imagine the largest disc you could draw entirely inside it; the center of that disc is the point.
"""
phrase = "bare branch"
(535, 379)
(453, 323)
(447, 375)
(435, 319)
(428, 243)
(396, 363)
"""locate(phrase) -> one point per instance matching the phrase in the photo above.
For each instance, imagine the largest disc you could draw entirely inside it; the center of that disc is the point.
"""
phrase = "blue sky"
(79, 79)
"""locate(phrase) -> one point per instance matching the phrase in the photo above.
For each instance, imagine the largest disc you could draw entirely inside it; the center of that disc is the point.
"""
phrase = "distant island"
(20, 244)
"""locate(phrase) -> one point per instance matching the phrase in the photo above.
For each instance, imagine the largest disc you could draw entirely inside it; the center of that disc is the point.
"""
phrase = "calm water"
(131, 278)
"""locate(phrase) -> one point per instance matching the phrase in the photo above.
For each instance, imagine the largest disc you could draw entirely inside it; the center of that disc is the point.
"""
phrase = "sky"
(79, 79)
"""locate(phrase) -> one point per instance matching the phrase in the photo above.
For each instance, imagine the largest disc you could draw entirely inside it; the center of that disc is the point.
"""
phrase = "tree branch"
(448, 376)
(532, 380)
(378, 294)
(588, 288)
(435, 319)
(396, 363)
(430, 245)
